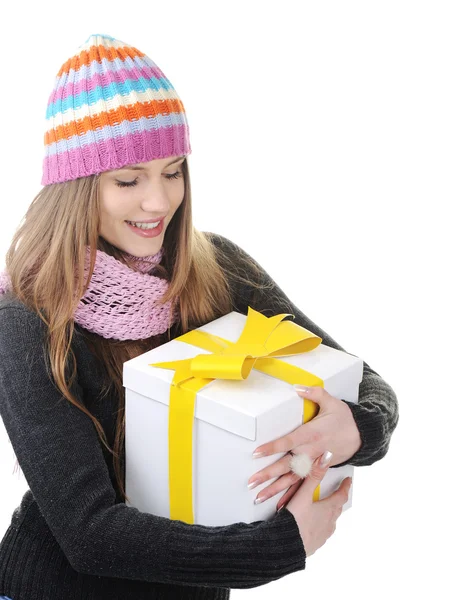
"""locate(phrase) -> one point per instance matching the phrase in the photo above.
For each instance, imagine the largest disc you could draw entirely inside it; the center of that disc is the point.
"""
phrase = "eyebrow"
(138, 168)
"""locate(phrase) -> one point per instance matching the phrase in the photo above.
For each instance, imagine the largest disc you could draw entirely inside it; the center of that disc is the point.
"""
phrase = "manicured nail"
(254, 483)
(280, 508)
(258, 454)
(259, 500)
(300, 388)
(326, 458)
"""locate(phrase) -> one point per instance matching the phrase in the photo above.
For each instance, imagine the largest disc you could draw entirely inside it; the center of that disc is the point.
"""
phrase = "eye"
(175, 175)
(126, 183)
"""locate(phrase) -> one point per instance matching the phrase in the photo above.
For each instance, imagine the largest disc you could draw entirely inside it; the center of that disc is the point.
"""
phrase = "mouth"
(149, 228)
(147, 220)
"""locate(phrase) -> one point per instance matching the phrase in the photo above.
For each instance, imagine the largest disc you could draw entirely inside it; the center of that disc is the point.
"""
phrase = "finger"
(345, 488)
(341, 495)
(275, 488)
(308, 436)
(278, 468)
(289, 494)
(283, 444)
(319, 469)
(318, 395)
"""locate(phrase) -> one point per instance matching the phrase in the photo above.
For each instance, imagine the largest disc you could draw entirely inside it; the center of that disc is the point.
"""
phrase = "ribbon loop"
(217, 366)
(258, 327)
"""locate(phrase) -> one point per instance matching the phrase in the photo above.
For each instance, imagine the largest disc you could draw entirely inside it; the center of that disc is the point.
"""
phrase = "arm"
(376, 413)
(62, 459)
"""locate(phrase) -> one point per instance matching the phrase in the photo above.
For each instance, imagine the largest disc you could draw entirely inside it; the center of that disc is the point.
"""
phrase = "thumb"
(339, 496)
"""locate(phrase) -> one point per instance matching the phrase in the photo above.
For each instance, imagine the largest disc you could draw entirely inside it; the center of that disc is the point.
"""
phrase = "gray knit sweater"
(73, 538)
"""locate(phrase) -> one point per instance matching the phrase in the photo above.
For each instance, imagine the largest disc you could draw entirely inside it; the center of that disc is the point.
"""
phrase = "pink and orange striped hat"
(111, 106)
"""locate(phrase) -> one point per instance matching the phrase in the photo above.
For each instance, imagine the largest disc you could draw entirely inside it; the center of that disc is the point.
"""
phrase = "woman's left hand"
(333, 429)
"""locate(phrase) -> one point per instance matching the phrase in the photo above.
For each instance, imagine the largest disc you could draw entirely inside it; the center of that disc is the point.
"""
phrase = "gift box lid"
(220, 401)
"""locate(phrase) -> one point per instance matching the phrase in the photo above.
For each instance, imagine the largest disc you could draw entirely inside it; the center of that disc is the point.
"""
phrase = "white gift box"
(232, 418)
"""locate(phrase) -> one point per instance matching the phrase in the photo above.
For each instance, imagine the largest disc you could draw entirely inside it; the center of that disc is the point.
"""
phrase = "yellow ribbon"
(261, 341)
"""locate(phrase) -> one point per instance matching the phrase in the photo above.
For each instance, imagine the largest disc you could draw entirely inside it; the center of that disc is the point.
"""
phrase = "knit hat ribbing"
(111, 106)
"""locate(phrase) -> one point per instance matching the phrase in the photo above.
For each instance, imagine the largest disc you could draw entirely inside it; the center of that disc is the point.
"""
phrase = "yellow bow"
(262, 339)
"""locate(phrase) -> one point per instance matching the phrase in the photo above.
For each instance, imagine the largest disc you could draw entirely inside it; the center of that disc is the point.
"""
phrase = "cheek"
(177, 195)
(114, 205)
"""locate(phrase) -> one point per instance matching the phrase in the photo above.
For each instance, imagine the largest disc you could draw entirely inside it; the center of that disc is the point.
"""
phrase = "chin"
(145, 248)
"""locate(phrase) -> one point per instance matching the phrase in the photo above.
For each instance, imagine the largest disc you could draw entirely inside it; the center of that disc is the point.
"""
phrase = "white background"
(330, 141)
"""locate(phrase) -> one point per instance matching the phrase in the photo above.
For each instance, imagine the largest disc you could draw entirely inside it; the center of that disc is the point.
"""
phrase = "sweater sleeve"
(59, 451)
(376, 413)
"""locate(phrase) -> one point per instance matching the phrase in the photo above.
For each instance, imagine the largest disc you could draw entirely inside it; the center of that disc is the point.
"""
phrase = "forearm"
(156, 549)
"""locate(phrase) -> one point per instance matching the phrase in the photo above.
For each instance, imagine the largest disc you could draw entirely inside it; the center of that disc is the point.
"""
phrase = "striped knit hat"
(111, 106)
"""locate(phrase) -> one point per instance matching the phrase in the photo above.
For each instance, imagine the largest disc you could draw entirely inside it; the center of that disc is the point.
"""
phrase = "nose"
(156, 200)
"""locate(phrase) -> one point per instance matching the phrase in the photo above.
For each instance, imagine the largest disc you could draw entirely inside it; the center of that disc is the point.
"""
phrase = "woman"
(107, 265)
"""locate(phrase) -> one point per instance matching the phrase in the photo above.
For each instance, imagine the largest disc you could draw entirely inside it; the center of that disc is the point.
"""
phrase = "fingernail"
(254, 483)
(300, 388)
(280, 508)
(326, 458)
(258, 454)
(259, 500)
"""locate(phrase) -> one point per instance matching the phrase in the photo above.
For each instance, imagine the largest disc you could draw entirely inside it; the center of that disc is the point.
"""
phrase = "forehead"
(157, 162)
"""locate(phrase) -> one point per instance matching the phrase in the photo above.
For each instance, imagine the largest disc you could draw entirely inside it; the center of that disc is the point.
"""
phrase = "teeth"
(144, 225)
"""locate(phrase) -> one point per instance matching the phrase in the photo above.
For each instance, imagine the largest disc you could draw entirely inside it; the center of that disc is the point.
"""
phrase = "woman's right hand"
(317, 520)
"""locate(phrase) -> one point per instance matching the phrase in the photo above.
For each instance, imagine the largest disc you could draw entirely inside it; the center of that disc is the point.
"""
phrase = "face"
(150, 191)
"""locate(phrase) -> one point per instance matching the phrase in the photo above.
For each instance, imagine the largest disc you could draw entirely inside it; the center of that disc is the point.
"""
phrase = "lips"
(147, 232)
(147, 220)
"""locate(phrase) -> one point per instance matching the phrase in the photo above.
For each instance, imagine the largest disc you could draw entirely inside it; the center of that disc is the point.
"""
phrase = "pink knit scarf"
(121, 303)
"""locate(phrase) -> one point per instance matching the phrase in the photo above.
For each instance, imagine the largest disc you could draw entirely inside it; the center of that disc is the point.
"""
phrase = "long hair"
(46, 265)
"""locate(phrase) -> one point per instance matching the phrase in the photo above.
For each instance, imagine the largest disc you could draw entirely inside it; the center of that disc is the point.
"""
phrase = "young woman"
(107, 265)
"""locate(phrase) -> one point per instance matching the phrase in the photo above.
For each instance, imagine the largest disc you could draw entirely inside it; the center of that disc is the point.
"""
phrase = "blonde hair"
(46, 261)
